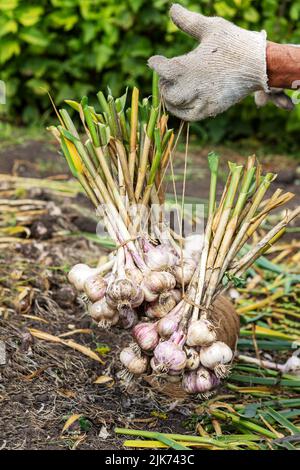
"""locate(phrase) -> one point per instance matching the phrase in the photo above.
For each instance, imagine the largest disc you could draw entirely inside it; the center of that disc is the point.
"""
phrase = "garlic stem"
(258, 197)
(121, 151)
(133, 131)
(274, 202)
(145, 152)
(263, 243)
(229, 232)
(213, 162)
(224, 217)
(261, 362)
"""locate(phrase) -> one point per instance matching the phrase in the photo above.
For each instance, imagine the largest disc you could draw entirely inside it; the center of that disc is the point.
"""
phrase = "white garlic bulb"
(134, 362)
(201, 333)
(105, 315)
(157, 282)
(79, 275)
(134, 274)
(292, 365)
(184, 272)
(216, 357)
(123, 292)
(193, 245)
(164, 304)
(159, 258)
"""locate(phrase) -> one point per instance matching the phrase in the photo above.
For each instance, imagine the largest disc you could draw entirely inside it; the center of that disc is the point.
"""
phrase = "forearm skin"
(283, 65)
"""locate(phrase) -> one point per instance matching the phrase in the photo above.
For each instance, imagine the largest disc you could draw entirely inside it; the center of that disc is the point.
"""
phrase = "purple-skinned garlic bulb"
(128, 317)
(146, 335)
(200, 381)
(169, 324)
(169, 355)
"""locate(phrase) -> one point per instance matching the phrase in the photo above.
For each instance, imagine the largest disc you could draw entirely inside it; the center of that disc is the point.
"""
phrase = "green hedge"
(75, 47)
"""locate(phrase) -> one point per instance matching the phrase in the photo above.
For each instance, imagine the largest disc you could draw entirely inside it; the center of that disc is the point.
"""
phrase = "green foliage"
(72, 48)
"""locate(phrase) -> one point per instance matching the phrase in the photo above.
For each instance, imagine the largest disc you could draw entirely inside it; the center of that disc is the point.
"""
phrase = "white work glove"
(228, 64)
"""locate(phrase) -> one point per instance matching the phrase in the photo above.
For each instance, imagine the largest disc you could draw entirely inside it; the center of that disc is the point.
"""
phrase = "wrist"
(283, 65)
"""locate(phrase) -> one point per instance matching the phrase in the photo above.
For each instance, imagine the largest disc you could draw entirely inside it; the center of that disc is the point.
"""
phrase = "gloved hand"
(228, 64)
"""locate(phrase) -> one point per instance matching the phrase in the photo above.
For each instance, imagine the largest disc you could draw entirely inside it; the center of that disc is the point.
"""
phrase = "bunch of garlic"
(181, 350)
(147, 283)
(145, 292)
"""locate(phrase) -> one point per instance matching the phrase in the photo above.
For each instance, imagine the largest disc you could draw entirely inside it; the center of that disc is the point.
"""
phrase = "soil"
(42, 382)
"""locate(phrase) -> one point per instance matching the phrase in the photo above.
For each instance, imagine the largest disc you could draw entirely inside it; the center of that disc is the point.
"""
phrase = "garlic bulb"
(200, 381)
(123, 292)
(134, 275)
(192, 358)
(201, 333)
(159, 258)
(146, 335)
(157, 282)
(169, 354)
(168, 325)
(184, 272)
(134, 362)
(95, 287)
(216, 357)
(292, 365)
(164, 304)
(154, 310)
(101, 312)
(170, 297)
(193, 245)
(79, 275)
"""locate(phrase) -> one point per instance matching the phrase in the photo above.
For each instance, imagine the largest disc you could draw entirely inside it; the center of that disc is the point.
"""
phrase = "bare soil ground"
(43, 382)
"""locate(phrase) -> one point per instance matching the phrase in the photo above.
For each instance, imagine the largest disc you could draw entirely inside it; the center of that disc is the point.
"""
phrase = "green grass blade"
(283, 421)
(169, 442)
(155, 90)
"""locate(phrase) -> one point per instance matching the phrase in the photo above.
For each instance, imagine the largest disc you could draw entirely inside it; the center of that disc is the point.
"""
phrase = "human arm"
(228, 64)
